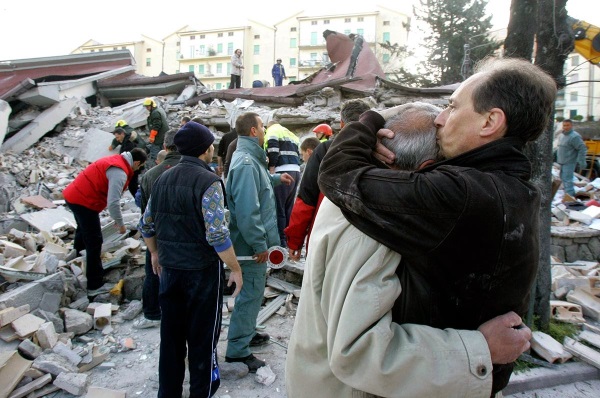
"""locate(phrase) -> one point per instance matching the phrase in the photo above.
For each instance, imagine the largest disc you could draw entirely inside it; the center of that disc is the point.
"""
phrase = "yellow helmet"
(121, 123)
(149, 101)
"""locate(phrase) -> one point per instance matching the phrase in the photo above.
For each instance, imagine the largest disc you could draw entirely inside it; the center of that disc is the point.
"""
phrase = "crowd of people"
(406, 292)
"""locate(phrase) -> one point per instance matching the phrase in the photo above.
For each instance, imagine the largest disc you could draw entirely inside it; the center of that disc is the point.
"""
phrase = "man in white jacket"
(344, 343)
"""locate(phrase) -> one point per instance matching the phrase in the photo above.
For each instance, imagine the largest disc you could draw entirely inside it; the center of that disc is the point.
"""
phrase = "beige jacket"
(344, 343)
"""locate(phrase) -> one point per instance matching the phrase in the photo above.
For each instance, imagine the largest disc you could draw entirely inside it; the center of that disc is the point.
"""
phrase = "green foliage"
(578, 118)
(452, 24)
(559, 119)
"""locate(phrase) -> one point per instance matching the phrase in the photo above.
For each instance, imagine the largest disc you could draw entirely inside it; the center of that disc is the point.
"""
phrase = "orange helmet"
(324, 129)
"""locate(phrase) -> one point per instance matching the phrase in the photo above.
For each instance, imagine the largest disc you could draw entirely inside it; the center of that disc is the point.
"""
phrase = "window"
(230, 34)
(203, 36)
(202, 49)
(360, 32)
(360, 19)
(347, 20)
(218, 86)
(293, 43)
(313, 22)
(219, 34)
(123, 48)
(292, 62)
(574, 77)
(326, 22)
(219, 68)
(313, 56)
(148, 50)
(256, 69)
(178, 44)
(229, 48)
(386, 23)
(386, 58)
(291, 78)
(386, 36)
(190, 68)
(572, 113)
(574, 96)
(313, 38)
(575, 60)
(148, 61)
(256, 49)
(116, 48)
(293, 29)
(256, 37)
(201, 69)
(192, 37)
(346, 32)
(219, 48)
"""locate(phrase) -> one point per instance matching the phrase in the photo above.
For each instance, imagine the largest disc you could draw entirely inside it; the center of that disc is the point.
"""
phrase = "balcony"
(204, 56)
(560, 103)
(312, 63)
(305, 46)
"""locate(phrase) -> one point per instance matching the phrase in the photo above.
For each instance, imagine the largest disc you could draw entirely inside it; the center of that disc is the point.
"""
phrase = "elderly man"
(184, 228)
(100, 184)
(429, 216)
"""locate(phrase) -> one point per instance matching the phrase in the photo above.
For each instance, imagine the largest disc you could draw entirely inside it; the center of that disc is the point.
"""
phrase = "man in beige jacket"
(344, 343)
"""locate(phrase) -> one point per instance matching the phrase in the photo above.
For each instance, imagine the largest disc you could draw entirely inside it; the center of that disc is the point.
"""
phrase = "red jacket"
(90, 187)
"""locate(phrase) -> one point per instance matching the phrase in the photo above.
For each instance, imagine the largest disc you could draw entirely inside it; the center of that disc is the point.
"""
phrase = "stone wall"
(570, 244)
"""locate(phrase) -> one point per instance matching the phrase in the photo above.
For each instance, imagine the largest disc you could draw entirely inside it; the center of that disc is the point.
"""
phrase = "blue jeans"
(88, 236)
(278, 80)
(285, 196)
(566, 175)
(242, 326)
(191, 303)
(150, 292)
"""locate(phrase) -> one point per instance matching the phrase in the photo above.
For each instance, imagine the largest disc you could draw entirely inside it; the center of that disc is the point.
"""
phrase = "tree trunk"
(521, 29)
(554, 43)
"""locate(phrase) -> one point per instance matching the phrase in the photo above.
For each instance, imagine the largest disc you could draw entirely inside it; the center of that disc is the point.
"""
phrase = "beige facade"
(298, 40)
(581, 95)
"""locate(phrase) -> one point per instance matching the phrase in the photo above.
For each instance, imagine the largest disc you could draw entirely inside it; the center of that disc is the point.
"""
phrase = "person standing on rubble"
(185, 230)
(284, 157)
(251, 204)
(309, 195)
(157, 126)
(150, 303)
(236, 69)
(278, 73)
(101, 183)
(570, 153)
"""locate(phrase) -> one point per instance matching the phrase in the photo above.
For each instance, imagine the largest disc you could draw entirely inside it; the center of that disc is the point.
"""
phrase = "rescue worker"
(157, 126)
(323, 132)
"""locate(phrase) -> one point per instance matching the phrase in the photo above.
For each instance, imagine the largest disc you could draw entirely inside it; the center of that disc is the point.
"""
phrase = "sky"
(41, 28)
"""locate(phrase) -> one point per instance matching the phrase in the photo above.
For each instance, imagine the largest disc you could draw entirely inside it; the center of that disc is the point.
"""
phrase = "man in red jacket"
(101, 183)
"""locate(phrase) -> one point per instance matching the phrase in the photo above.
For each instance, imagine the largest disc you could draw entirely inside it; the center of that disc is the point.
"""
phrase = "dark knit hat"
(193, 139)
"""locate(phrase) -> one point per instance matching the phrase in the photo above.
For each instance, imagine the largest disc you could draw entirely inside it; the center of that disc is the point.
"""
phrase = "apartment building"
(581, 95)
(298, 40)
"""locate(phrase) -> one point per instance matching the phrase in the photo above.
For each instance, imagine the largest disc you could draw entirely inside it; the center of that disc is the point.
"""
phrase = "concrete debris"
(74, 383)
(264, 375)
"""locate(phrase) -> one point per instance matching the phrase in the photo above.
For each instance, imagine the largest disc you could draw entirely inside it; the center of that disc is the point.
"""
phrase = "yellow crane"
(587, 39)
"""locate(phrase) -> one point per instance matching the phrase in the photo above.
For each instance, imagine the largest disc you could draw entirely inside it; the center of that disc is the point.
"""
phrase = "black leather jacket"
(467, 228)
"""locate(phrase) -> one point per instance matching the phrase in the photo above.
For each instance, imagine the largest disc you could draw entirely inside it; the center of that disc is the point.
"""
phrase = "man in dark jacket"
(151, 282)
(157, 127)
(457, 269)
(184, 228)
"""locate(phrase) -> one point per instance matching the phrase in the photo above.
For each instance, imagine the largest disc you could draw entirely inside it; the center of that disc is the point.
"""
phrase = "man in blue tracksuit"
(278, 73)
(253, 227)
(184, 228)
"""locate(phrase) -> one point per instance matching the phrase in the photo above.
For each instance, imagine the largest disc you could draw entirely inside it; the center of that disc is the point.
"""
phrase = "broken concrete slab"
(27, 325)
(12, 371)
(46, 335)
(78, 322)
(99, 392)
(61, 349)
(32, 386)
(42, 124)
(39, 202)
(44, 220)
(74, 383)
(10, 314)
(32, 293)
(95, 145)
(590, 337)
(54, 364)
(583, 352)
(29, 350)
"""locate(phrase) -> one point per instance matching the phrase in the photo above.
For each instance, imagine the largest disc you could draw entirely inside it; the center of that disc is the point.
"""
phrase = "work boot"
(251, 361)
(259, 339)
(145, 323)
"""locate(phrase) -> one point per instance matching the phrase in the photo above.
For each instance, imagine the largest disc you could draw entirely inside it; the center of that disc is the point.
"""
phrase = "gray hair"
(415, 140)
(168, 140)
